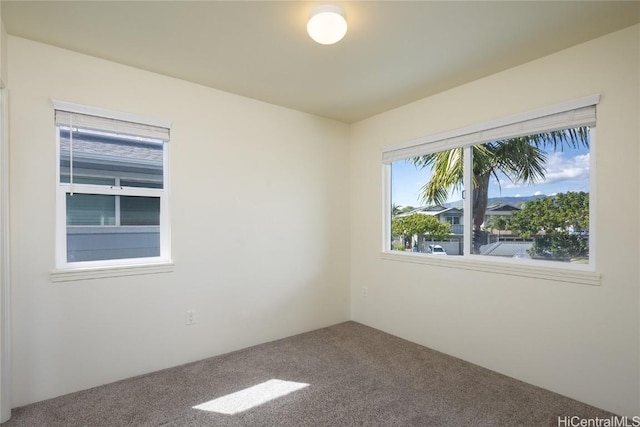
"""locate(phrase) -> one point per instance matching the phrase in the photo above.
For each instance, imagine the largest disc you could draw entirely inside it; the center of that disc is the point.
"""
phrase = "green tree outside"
(499, 223)
(560, 225)
(420, 224)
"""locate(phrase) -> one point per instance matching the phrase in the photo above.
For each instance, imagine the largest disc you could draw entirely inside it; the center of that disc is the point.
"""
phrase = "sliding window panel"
(426, 203)
(531, 197)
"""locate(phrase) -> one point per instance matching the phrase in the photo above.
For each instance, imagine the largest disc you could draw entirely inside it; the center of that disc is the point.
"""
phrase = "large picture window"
(517, 189)
(112, 191)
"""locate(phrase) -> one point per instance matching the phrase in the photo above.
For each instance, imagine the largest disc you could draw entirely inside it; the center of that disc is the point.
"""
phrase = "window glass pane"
(531, 197)
(95, 231)
(102, 243)
(140, 184)
(139, 210)
(91, 209)
(88, 180)
(426, 203)
(120, 225)
(101, 154)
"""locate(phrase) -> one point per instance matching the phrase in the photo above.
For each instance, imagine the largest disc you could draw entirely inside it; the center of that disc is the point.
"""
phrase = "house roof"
(105, 156)
(394, 53)
(115, 149)
(505, 207)
(431, 210)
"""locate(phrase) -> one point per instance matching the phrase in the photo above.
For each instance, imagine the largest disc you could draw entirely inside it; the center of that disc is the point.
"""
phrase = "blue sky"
(565, 171)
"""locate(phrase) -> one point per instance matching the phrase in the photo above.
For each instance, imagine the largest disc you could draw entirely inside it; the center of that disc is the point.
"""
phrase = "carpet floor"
(356, 376)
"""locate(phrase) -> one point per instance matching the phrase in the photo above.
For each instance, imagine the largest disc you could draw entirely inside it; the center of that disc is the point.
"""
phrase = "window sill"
(545, 272)
(67, 275)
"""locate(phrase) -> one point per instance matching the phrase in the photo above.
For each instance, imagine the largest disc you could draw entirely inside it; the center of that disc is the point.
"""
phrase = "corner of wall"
(5, 366)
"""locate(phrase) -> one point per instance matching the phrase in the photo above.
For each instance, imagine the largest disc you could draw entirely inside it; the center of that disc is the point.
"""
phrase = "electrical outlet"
(364, 291)
(191, 317)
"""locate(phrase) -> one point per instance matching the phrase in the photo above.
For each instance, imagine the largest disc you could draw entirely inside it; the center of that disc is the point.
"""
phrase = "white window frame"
(64, 270)
(478, 134)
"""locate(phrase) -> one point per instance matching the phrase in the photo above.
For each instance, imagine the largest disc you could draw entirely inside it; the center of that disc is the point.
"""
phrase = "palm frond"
(447, 172)
(520, 161)
(574, 138)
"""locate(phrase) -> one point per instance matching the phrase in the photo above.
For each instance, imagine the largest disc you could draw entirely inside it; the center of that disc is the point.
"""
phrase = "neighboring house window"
(453, 220)
(523, 184)
(112, 198)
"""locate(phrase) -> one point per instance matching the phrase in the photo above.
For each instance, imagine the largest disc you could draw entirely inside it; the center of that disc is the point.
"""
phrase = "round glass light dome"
(327, 24)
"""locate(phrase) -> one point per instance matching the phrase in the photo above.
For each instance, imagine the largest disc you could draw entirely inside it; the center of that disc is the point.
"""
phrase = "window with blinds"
(516, 189)
(112, 188)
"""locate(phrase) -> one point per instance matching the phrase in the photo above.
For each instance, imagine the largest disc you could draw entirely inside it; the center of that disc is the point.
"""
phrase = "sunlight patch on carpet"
(250, 397)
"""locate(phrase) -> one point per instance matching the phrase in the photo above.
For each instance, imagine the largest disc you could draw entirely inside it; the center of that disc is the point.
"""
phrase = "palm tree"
(522, 160)
(499, 223)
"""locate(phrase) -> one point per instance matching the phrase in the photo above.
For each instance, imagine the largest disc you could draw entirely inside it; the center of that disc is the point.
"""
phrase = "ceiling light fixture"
(327, 24)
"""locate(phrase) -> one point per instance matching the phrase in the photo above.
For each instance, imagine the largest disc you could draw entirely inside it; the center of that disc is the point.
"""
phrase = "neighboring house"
(451, 215)
(454, 217)
(503, 210)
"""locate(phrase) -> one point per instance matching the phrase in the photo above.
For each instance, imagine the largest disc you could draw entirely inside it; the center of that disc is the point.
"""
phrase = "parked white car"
(436, 250)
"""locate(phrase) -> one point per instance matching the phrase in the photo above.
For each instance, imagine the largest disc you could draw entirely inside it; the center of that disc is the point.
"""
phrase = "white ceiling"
(395, 52)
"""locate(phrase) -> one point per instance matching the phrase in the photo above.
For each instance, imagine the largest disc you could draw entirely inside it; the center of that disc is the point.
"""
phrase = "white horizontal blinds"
(508, 128)
(105, 124)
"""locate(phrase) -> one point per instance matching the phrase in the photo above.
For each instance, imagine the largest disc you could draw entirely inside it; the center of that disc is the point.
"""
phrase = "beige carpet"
(356, 376)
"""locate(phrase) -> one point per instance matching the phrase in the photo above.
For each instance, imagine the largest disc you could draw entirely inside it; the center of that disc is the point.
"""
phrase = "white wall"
(259, 199)
(259, 229)
(578, 340)
(5, 300)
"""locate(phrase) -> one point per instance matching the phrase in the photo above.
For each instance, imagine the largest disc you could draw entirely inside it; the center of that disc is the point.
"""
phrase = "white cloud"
(537, 193)
(558, 168)
(509, 184)
(563, 169)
